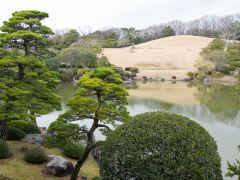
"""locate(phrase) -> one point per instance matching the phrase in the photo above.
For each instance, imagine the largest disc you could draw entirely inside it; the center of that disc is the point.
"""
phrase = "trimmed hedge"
(160, 145)
(73, 150)
(26, 126)
(35, 156)
(4, 150)
(15, 133)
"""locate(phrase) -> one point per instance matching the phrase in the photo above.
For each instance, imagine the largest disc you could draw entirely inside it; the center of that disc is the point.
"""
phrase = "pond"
(215, 107)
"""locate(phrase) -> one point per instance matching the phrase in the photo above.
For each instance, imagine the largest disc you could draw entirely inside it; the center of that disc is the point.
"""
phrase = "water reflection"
(202, 102)
(215, 107)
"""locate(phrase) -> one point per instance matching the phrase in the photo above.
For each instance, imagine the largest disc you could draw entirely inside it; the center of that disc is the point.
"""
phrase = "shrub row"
(132, 69)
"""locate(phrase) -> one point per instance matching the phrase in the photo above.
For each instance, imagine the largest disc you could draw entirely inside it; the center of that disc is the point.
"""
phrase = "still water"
(215, 107)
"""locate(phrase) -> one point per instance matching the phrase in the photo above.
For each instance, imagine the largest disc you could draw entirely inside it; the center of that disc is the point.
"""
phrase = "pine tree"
(26, 85)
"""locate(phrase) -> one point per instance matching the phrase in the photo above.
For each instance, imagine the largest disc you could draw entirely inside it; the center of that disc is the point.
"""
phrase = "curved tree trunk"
(80, 163)
(3, 130)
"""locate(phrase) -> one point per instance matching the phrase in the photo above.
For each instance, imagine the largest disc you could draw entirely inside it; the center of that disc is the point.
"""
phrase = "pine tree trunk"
(80, 163)
(3, 130)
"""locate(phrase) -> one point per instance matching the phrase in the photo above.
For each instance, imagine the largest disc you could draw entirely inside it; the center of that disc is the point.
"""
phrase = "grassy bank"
(15, 167)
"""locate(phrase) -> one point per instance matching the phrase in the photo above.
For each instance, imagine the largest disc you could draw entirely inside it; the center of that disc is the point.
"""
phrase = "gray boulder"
(58, 166)
(34, 138)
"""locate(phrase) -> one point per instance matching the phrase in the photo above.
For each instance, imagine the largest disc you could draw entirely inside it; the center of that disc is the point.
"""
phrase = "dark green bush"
(73, 150)
(160, 145)
(127, 68)
(134, 69)
(4, 150)
(15, 133)
(35, 156)
(26, 126)
(63, 65)
(226, 69)
(61, 132)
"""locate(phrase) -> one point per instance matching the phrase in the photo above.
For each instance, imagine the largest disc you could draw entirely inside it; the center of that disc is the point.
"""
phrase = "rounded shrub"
(127, 68)
(134, 69)
(73, 150)
(190, 74)
(26, 126)
(160, 145)
(15, 133)
(4, 150)
(35, 156)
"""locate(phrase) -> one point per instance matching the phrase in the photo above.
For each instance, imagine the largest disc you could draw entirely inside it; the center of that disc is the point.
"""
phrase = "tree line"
(226, 27)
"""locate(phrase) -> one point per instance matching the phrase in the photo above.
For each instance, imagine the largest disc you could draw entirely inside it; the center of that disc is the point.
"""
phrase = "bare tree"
(84, 30)
(178, 26)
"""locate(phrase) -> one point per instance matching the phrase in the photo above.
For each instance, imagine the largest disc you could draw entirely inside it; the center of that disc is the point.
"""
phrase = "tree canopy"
(27, 86)
(101, 98)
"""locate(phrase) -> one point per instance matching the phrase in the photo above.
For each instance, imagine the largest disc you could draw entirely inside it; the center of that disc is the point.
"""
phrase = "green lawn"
(15, 167)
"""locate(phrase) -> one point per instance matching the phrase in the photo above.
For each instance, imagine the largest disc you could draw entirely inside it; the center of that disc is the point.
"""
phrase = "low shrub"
(4, 150)
(26, 126)
(73, 150)
(209, 73)
(127, 68)
(61, 132)
(132, 69)
(63, 65)
(226, 69)
(190, 74)
(200, 76)
(15, 133)
(174, 77)
(35, 156)
(218, 74)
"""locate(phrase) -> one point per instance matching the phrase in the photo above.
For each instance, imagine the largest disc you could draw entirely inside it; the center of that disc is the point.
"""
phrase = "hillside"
(161, 58)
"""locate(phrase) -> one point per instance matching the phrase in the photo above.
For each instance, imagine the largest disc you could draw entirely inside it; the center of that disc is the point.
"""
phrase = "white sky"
(118, 13)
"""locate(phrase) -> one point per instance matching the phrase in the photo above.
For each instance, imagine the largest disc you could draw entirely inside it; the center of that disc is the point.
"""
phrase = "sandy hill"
(161, 58)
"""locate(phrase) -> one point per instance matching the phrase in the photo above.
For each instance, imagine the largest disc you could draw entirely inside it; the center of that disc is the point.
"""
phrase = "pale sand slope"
(161, 58)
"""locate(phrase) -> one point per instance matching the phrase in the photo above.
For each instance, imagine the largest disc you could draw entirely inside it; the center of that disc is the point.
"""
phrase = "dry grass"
(171, 53)
(16, 168)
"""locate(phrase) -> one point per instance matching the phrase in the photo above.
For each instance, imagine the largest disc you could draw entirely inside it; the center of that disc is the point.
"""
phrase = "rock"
(58, 166)
(208, 80)
(34, 138)
(189, 79)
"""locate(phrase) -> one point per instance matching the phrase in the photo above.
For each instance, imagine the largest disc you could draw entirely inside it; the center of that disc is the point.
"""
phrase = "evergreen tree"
(27, 86)
(100, 99)
(167, 31)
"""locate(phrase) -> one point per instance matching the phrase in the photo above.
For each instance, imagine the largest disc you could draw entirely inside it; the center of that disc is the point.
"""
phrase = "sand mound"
(161, 58)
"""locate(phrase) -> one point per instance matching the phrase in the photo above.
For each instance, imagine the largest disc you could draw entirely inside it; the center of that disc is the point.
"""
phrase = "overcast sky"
(118, 13)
